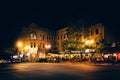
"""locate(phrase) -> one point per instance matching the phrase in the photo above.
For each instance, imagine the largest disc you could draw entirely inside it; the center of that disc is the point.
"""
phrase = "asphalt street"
(58, 71)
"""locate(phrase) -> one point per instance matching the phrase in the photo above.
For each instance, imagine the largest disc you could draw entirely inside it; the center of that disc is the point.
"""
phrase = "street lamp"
(19, 45)
(47, 46)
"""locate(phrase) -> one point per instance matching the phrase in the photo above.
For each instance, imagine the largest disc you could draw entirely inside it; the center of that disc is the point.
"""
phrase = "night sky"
(54, 14)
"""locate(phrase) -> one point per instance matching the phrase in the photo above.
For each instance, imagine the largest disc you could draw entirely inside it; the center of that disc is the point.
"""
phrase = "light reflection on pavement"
(58, 71)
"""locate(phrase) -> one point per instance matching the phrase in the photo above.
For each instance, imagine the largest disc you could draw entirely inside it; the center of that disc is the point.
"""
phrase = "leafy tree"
(75, 33)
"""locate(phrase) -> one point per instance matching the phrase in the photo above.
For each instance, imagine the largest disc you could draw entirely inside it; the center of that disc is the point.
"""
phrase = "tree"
(75, 34)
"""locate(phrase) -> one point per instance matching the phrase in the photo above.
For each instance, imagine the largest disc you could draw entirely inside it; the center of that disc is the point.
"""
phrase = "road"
(58, 71)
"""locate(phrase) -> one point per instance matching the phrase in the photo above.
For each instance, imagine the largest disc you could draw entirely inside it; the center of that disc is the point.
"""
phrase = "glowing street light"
(19, 45)
(48, 46)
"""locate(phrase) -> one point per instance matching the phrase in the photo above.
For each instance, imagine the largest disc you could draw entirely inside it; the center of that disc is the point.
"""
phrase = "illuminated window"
(32, 36)
(65, 36)
(40, 37)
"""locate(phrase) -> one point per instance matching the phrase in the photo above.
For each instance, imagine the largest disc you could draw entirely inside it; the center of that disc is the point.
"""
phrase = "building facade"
(36, 41)
(61, 36)
(96, 33)
(89, 36)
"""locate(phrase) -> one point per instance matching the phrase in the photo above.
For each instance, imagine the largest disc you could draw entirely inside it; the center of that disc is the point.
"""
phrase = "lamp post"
(19, 46)
(90, 44)
(47, 46)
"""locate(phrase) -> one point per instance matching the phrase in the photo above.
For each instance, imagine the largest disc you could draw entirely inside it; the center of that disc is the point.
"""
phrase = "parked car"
(4, 61)
(99, 60)
(43, 60)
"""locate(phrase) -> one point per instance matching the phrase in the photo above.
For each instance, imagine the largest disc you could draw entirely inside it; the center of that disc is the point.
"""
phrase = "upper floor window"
(65, 36)
(43, 37)
(32, 36)
(97, 32)
(61, 36)
(43, 45)
(40, 37)
(58, 37)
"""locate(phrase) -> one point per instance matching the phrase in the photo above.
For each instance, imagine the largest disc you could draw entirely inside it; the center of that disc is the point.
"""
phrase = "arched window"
(40, 37)
(31, 44)
(34, 45)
